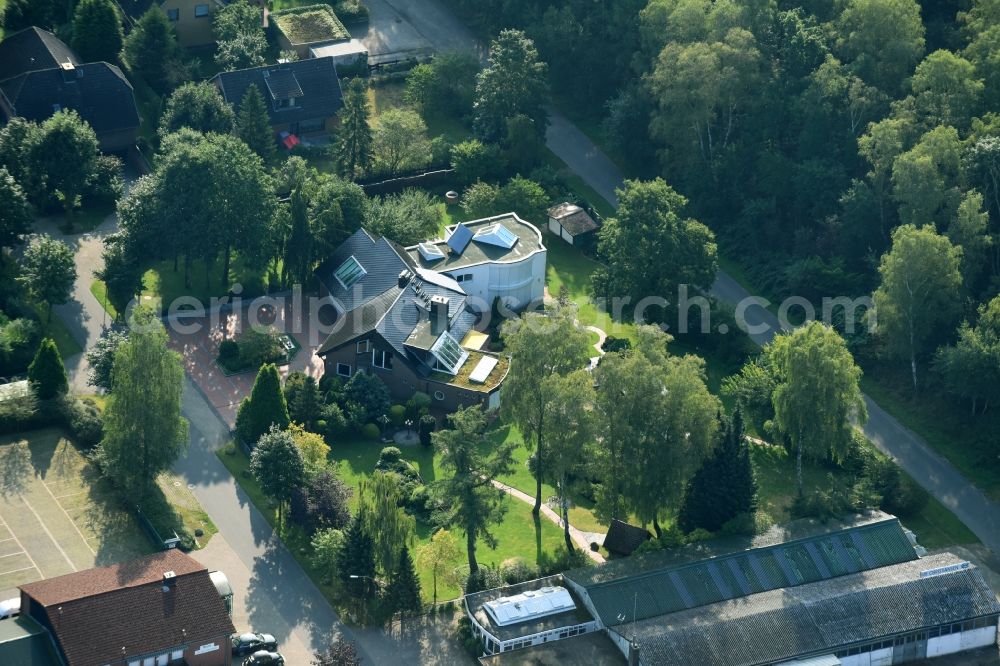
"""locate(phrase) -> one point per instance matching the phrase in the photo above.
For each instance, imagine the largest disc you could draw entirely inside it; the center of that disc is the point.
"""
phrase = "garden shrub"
(417, 405)
(427, 425)
(350, 11)
(260, 346)
(564, 560)
(613, 344)
(229, 353)
(84, 421)
(397, 414)
(388, 455)
(515, 570)
(18, 340)
(370, 431)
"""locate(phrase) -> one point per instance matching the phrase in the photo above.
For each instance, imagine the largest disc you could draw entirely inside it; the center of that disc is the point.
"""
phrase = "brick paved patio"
(199, 349)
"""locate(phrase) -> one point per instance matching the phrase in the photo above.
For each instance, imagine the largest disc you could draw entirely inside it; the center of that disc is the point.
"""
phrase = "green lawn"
(356, 460)
(935, 526)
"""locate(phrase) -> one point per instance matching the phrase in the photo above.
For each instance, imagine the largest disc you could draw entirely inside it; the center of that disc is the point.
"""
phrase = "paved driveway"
(197, 340)
(400, 29)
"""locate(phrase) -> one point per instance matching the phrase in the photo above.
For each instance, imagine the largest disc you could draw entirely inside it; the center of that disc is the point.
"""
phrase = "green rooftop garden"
(462, 378)
(308, 24)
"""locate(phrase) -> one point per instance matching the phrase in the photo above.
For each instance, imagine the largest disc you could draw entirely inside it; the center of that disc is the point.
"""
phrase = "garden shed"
(572, 223)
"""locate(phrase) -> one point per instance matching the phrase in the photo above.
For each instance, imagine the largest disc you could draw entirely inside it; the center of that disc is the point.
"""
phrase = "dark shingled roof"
(623, 538)
(94, 613)
(313, 83)
(573, 219)
(32, 49)
(382, 260)
(818, 618)
(686, 579)
(99, 92)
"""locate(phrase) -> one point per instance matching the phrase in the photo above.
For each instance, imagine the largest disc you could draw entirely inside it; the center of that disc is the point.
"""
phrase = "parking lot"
(56, 515)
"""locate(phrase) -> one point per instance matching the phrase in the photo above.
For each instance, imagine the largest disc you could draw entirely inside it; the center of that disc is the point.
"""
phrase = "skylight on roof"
(350, 272)
(430, 252)
(459, 238)
(449, 353)
(497, 234)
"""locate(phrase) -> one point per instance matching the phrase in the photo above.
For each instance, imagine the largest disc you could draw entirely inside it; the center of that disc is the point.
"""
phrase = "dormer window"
(283, 87)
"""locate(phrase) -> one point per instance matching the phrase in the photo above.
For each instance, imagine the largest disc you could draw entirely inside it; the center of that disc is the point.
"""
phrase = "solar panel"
(459, 239)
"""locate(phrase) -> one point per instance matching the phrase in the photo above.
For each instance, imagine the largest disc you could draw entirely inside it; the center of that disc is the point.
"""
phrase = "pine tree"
(724, 486)
(356, 558)
(97, 31)
(353, 149)
(403, 593)
(253, 124)
(47, 373)
(265, 407)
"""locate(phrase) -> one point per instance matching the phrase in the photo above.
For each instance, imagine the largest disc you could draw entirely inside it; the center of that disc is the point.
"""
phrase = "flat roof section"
(528, 242)
(583, 650)
(477, 602)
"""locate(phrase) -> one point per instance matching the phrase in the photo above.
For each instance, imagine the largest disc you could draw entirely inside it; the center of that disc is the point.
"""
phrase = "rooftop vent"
(404, 278)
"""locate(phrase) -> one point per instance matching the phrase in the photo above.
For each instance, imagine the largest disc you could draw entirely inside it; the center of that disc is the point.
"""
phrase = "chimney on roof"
(169, 577)
(69, 72)
(439, 314)
(404, 278)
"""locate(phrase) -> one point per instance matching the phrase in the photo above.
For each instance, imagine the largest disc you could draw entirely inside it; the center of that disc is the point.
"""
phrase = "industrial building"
(855, 594)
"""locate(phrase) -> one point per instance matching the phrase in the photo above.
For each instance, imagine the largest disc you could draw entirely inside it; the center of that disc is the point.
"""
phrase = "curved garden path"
(581, 539)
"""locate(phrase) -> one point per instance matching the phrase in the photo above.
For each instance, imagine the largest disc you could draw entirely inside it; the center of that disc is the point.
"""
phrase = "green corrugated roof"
(684, 585)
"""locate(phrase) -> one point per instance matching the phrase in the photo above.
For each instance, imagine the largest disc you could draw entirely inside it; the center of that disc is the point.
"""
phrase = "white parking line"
(4, 573)
(23, 549)
(71, 522)
(59, 497)
(21, 552)
(10, 539)
(52, 538)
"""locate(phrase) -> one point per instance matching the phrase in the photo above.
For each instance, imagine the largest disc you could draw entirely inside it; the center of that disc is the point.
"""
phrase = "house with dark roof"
(573, 224)
(32, 49)
(854, 593)
(409, 315)
(302, 97)
(40, 75)
(156, 610)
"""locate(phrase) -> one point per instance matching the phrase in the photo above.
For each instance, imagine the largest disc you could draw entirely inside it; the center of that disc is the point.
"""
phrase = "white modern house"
(495, 257)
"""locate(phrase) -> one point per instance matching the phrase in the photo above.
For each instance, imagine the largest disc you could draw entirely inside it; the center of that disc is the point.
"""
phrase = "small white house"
(572, 223)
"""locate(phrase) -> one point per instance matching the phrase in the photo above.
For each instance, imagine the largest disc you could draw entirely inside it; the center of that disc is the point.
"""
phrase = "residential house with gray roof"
(40, 75)
(410, 315)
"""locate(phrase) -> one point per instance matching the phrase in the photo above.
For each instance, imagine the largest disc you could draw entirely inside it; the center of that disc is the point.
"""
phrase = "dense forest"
(808, 136)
